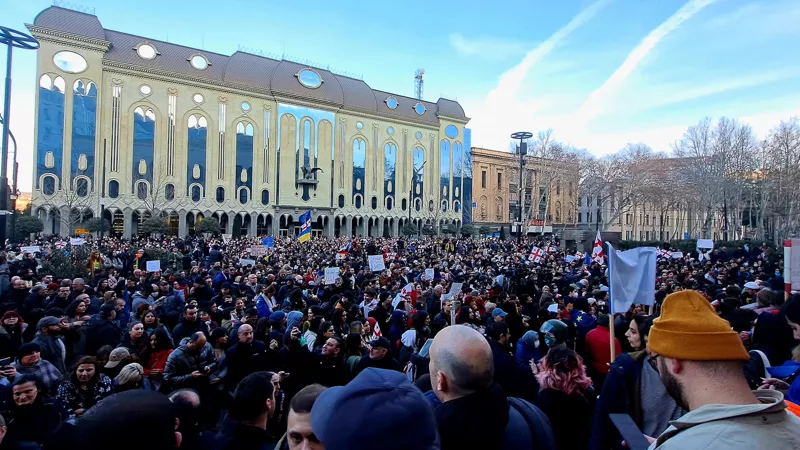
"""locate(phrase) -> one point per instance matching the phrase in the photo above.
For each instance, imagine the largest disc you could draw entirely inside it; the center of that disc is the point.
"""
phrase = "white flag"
(631, 277)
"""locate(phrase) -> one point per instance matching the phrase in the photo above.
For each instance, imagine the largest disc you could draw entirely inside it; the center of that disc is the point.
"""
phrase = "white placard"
(153, 266)
(247, 262)
(331, 274)
(705, 243)
(376, 263)
(76, 241)
(429, 274)
(570, 258)
(31, 249)
(226, 238)
(676, 255)
(455, 289)
(259, 250)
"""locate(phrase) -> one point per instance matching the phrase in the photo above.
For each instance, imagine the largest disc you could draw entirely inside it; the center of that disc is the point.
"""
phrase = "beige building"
(550, 190)
(129, 127)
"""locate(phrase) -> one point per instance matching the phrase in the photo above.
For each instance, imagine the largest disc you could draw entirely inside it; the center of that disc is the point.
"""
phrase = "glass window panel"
(358, 201)
(70, 62)
(199, 62)
(82, 187)
(389, 168)
(444, 147)
(169, 191)
(220, 194)
(265, 197)
(146, 51)
(84, 119)
(141, 191)
(244, 155)
(391, 103)
(49, 186)
(113, 189)
(341, 201)
(374, 202)
(309, 78)
(197, 135)
(50, 126)
(359, 164)
(195, 193)
(144, 128)
(243, 196)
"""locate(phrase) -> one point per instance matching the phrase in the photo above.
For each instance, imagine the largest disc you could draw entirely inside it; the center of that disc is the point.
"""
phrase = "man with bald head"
(247, 356)
(474, 410)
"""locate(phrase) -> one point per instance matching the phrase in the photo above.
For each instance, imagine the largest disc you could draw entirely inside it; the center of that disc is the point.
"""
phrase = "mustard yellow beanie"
(690, 329)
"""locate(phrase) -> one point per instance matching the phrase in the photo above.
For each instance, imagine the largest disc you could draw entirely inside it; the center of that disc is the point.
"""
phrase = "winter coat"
(515, 380)
(171, 305)
(621, 394)
(477, 420)
(181, 363)
(570, 416)
(11, 340)
(52, 350)
(186, 329)
(102, 332)
(75, 398)
(235, 435)
(242, 360)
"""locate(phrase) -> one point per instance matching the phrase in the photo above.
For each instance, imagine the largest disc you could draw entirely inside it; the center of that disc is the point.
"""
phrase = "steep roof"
(246, 70)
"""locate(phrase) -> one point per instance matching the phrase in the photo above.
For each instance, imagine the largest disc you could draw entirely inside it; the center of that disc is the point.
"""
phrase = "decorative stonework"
(172, 91)
(223, 99)
(117, 81)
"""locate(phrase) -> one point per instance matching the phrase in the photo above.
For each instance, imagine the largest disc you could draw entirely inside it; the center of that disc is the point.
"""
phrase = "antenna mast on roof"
(418, 83)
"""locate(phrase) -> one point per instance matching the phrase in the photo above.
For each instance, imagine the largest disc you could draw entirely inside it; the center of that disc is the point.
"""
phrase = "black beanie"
(27, 349)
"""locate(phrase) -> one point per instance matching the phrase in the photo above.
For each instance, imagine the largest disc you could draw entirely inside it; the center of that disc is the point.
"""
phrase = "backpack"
(523, 416)
(764, 361)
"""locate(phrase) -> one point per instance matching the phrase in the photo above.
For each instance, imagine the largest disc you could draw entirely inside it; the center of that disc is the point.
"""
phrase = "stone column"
(253, 224)
(347, 226)
(395, 227)
(128, 227)
(182, 228)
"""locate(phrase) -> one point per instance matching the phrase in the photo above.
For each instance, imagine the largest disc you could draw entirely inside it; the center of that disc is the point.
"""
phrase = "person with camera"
(189, 366)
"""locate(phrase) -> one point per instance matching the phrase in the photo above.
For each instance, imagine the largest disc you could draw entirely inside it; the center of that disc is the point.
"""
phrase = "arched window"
(457, 206)
(458, 169)
(195, 193)
(141, 190)
(341, 201)
(82, 187)
(265, 197)
(359, 165)
(220, 194)
(374, 202)
(404, 204)
(144, 132)
(50, 126)
(49, 186)
(244, 155)
(357, 201)
(169, 191)
(419, 170)
(389, 203)
(113, 189)
(444, 166)
(196, 138)
(84, 119)
(244, 196)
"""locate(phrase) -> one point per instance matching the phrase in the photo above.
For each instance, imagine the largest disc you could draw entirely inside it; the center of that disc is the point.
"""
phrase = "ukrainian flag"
(305, 227)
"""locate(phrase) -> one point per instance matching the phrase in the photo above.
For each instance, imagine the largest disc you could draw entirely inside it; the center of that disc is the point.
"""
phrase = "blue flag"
(305, 227)
(268, 241)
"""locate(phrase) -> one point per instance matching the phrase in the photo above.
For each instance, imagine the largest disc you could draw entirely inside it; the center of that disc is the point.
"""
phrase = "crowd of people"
(435, 343)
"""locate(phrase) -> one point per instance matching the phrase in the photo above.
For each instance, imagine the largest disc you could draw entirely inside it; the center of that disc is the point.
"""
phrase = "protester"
(245, 426)
(299, 435)
(85, 387)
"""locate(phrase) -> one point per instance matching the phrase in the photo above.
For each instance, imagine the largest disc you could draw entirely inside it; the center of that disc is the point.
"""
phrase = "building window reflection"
(113, 189)
(196, 138)
(195, 193)
(49, 186)
(169, 191)
(50, 126)
(220, 194)
(265, 197)
(244, 155)
(84, 117)
(389, 171)
(359, 165)
(144, 129)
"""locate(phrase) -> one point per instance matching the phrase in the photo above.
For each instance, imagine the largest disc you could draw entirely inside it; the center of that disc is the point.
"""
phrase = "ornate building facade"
(550, 190)
(127, 128)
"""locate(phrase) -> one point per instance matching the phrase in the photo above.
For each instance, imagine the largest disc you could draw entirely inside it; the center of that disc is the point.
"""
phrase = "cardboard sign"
(153, 266)
(331, 274)
(247, 262)
(570, 258)
(676, 255)
(226, 238)
(455, 289)
(430, 274)
(76, 241)
(259, 250)
(376, 263)
(31, 249)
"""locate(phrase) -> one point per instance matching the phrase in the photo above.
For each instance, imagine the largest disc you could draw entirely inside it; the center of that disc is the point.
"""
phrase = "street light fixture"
(523, 150)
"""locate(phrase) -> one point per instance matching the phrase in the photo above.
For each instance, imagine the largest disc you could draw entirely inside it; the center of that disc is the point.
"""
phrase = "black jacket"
(180, 365)
(186, 328)
(102, 332)
(621, 394)
(515, 380)
(235, 435)
(242, 360)
(570, 416)
(476, 421)
(387, 362)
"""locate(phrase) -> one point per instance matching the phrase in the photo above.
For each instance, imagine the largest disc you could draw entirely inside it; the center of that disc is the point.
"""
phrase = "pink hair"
(562, 369)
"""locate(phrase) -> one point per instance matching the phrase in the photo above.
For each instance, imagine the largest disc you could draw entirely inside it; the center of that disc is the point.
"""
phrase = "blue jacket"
(263, 307)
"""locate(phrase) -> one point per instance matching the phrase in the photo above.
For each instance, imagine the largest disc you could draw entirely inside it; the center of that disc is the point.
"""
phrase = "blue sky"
(599, 73)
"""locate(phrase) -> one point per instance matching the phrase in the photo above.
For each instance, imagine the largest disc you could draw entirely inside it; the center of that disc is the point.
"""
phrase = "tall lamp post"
(10, 38)
(523, 150)
(411, 190)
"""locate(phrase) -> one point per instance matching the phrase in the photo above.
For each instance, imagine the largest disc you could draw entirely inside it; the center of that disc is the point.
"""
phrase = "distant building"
(23, 200)
(128, 127)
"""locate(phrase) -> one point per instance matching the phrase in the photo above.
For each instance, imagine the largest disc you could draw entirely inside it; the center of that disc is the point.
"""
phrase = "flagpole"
(611, 332)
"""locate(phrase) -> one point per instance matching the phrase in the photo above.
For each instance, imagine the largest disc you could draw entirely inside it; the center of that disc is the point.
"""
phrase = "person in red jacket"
(598, 351)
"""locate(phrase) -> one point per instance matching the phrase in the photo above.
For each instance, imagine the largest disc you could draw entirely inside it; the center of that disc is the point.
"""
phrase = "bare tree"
(779, 182)
(161, 196)
(73, 203)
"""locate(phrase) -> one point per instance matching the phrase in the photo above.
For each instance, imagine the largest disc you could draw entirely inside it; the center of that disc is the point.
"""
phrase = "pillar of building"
(348, 231)
(128, 225)
(182, 228)
(253, 229)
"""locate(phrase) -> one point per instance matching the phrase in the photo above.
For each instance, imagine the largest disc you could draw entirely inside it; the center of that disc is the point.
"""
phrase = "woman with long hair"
(135, 340)
(326, 331)
(77, 319)
(155, 357)
(565, 396)
(85, 387)
(413, 339)
(310, 334)
(340, 326)
(633, 386)
(353, 350)
(370, 331)
(150, 322)
(11, 330)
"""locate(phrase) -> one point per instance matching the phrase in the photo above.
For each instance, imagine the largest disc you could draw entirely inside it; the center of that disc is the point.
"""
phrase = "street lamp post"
(523, 150)
(411, 189)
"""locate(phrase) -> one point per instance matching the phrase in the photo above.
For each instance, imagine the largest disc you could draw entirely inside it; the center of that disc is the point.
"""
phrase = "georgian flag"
(597, 249)
(536, 255)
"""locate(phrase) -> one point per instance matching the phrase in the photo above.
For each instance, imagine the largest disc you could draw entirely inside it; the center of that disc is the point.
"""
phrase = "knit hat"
(690, 329)
(47, 321)
(277, 316)
(28, 349)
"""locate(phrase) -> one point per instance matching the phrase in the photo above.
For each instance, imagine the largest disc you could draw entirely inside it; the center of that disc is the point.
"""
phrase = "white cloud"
(487, 47)
(503, 110)
(596, 103)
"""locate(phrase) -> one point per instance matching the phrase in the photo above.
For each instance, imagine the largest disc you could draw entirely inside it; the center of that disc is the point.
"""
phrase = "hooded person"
(528, 349)
(699, 358)
(294, 319)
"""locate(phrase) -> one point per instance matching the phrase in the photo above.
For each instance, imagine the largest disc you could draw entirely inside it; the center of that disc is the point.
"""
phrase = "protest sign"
(331, 274)
(247, 262)
(429, 274)
(259, 250)
(76, 241)
(153, 266)
(376, 263)
(31, 249)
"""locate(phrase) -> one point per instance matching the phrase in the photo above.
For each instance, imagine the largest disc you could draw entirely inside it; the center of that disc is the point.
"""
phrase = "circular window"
(198, 98)
(451, 131)
(418, 135)
(419, 108)
(391, 103)
(390, 131)
(359, 125)
(146, 51)
(309, 78)
(70, 62)
(245, 106)
(145, 90)
(199, 62)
